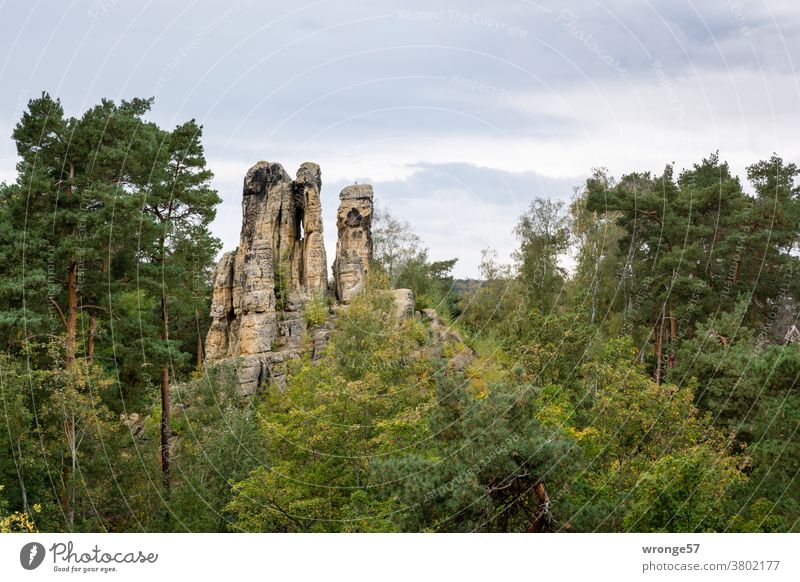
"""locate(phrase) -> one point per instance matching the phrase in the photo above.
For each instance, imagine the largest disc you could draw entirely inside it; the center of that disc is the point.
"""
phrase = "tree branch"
(60, 313)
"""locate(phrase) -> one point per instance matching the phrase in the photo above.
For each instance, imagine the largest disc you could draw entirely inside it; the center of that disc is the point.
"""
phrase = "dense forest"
(633, 368)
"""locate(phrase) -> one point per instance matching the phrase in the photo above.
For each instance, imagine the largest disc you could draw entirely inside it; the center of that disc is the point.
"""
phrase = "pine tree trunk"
(165, 432)
(71, 319)
(673, 336)
(542, 518)
(70, 351)
(71, 323)
(69, 428)
(199, 340)
(74, 454)
(23, 490)
(90, 339)
(659, 347)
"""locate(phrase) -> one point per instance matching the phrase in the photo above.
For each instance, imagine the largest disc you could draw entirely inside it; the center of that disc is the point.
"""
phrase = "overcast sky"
(459, 113)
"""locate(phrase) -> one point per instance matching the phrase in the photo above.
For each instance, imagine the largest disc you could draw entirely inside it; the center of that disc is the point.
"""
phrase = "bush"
(316, 312)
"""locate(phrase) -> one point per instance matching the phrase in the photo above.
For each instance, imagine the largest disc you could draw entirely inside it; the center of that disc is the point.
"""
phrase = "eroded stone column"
(314, 263)
(354, 245)
(259, 289)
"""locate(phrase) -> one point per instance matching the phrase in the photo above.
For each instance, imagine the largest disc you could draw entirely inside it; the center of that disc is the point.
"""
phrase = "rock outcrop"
(260, 288)
(354, 246)
(404, 304)
(443, 335)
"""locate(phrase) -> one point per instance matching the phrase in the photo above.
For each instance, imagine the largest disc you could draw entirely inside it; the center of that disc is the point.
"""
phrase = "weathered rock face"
(403, 303)
(314, 272)
(260, 288)
(354, 246)
(443, 335)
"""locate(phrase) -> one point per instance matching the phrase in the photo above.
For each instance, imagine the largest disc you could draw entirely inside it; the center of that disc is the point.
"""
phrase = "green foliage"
(219, 445)
(105, 249)
(775, 453)
(494, 305)
(280, 268)
(641, 390)
(727, 364)
(399, 254)
(125, 204)
(684, 492)
(316, 312)
(594, 286)
(15, 522)
(627, 424)
(23, 470)
(543, 234)
(72, 436)
(691, 246)
(490, 464)
(364, 399)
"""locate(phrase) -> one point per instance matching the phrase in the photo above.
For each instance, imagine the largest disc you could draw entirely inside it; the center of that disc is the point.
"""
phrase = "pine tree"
(177, 249)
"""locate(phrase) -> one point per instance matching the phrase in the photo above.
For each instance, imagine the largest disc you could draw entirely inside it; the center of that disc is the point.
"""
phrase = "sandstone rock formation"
(314, 272)
(133, 422)
(260, 288)
(354, 246)
(404, 304)
(443, 335)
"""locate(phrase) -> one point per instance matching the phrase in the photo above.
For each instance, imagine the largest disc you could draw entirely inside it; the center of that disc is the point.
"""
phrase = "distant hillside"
(466, 286)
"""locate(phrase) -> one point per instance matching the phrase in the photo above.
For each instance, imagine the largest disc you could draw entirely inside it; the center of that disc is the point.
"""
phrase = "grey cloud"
(292, 82)
(457, 209)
